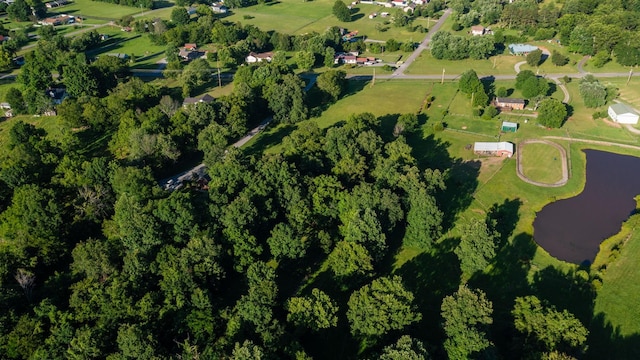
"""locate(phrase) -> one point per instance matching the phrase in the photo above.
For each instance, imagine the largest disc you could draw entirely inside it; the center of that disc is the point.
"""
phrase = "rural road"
(595, 142)
(175, 182)
(399, 72)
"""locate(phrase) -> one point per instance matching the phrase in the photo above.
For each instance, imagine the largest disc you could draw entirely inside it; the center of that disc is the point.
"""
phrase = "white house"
(259, 57)
(494, 148)
(477, 30)
(623, 114)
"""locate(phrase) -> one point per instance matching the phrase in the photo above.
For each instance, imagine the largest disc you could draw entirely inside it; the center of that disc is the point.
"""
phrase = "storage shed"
(623, 114)
(509, 126)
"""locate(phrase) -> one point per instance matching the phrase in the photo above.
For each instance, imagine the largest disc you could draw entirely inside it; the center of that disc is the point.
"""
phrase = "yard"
(97, 10)
(425, 64)
(541, 162)
(297, 17)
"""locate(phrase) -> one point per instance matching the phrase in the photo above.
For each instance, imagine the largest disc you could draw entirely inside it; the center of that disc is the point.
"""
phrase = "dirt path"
(567, 97)
(595, 142)
(563, 159)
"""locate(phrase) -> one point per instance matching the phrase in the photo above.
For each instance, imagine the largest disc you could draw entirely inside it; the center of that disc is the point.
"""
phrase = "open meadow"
(97, 10)
(297, 17)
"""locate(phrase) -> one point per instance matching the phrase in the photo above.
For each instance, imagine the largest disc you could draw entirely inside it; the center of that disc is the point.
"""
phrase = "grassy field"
(541, 162)
(425, 64)
(297, 17)
(95, 9)
(140, 46)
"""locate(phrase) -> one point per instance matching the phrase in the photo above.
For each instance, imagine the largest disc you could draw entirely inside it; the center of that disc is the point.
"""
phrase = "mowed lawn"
(541, 162)
(95, 9)
(299, 17)
(426, 64)
(618, 297)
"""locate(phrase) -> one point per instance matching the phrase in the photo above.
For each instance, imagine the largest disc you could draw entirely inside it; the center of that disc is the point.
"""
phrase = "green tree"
(350, 259)
(550, 328)
(593, 93)
(467, 316)
(406, 123)
(19, 10)
(5, 59)
(381, 306)
(534, 58)
(341, 11)
(305, 59)
(424, 219)
(284, 243)
(469, 82)
(558, 59)
(552, 113)
(180, 16)
(329, 57)
(16, 101)
(315, 312)
(406, 348)
(477, 246)
(287, 99)
(333, 83)
(78, 78)
(212, 141)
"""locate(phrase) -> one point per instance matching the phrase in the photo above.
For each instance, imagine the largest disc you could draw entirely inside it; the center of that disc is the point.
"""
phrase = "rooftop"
(521, 48)
(622, 109)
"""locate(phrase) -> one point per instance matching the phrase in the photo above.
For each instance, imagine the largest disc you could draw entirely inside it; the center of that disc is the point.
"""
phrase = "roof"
(264, 55)
(477, 28)
(190, 46)
(510, 100)
(620, 109)
(509, 124)
(522, 48)
(493, 146)
(206, 98)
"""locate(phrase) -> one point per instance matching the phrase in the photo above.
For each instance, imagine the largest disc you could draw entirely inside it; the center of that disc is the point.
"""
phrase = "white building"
(494, 148)
(622, 114)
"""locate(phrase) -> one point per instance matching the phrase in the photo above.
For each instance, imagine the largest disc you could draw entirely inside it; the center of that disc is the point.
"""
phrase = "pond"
(572, 229)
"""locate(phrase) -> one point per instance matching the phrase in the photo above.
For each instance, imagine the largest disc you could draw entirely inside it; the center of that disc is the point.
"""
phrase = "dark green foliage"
(406, 348)
(552, 113)
(333, 83)
(313, 312)
(558, 59)
(548, 328)
(180, 16)
(341, 11)
(489, 112)
(382, 306)
(467, 315)
(531, 85)
(16, 101)
(534, 58)
(19, 10)
(477, 246)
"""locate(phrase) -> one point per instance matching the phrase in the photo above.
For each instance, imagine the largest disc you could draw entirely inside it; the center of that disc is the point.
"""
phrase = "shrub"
(476, 112)
(489, 112)
(456, 26)
(502, 92)
(438, 126)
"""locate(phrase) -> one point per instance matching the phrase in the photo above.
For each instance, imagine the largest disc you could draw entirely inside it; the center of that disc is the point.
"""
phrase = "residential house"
(399, 3)
(510, 103)
(259, 57)
(58, 20)
(191, 10)
(373, 15)
(409, 8)
(57, 95)
(189, 55)
(204, 99)
(503, 148)
(478, 30)
(219, 8)
(521, 49)
(190, 47)
(622, 114)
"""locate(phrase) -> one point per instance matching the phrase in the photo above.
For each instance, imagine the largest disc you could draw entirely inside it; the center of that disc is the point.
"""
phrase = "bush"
(544, 34)
(502, 92)
(558, 59)
(456, 26)
(489, 112)
(599, 115)
(476, 112)
(388, 68)
(438, 126)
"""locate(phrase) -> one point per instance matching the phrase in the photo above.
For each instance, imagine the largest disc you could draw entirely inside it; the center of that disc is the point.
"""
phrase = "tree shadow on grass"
(606, 342)
(504, 218)
(431, 276)
(505, 280)
(461, 183)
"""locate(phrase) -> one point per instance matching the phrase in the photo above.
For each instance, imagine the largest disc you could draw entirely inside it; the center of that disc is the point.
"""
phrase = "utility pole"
(629, 78)
(373, 82)
(442, 81)
(219, 81)
(472, 95)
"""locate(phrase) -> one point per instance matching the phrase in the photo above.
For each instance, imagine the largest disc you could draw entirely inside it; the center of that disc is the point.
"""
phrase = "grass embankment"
(95, 9)
(541, 163)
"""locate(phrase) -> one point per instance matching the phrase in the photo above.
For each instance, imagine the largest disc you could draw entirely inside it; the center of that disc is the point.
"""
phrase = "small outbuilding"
(521, 49)
(503, 148)
(509, 126)
(510, 103)
(623, 114)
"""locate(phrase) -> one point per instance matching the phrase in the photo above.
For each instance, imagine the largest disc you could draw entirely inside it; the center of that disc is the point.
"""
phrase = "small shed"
(509, 126)
(503, 148)
(622, 114)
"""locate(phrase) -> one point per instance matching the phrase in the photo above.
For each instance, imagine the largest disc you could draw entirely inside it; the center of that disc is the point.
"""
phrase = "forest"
(287, 253)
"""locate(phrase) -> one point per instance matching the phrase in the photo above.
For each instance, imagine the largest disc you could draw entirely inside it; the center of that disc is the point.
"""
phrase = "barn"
(623, 114)
(503, 148)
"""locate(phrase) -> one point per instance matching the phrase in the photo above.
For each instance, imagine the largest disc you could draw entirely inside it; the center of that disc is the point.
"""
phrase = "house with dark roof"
(259, 57)
(205, 99)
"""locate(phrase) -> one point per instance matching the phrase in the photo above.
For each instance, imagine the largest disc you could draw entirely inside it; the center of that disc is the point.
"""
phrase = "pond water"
(572, 229)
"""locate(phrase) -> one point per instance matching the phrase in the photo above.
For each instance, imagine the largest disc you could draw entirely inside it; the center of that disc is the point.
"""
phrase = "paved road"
(399, 72)
(176, 181)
